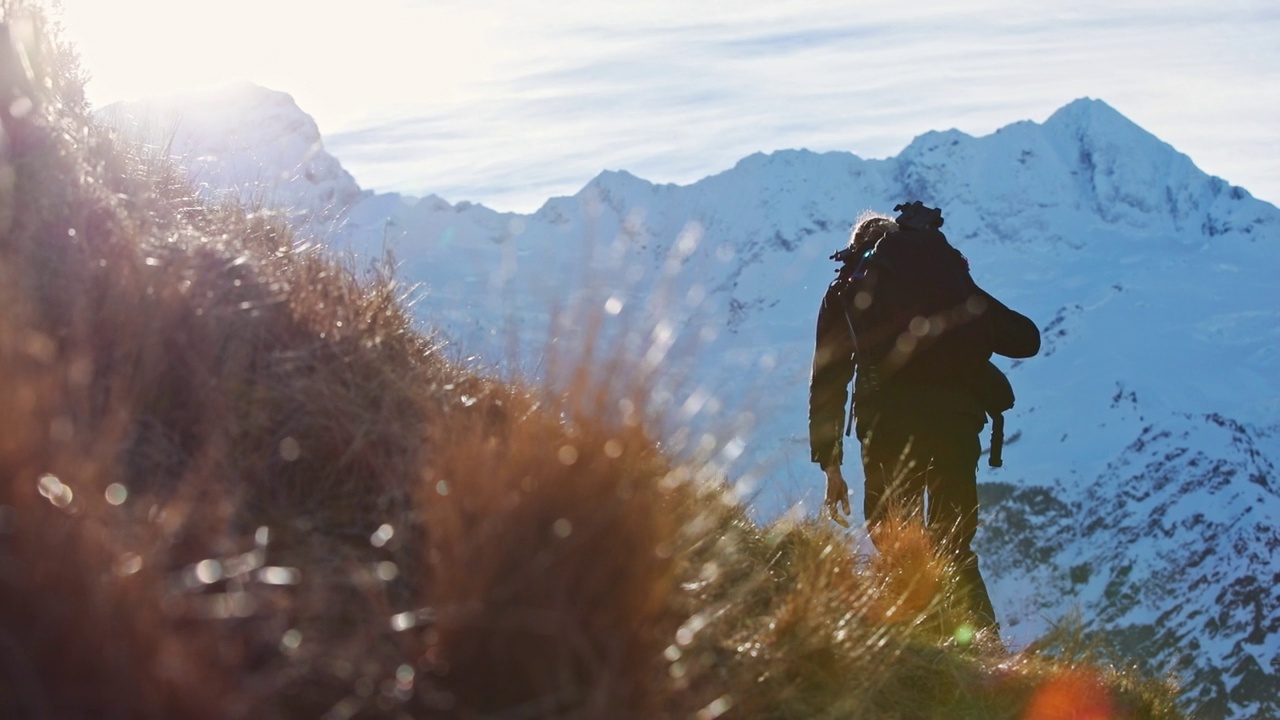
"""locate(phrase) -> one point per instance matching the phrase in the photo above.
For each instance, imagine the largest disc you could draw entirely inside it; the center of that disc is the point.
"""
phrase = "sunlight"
(334, 61)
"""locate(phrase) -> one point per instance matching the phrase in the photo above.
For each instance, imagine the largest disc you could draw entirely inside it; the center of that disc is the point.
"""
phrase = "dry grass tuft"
(235, 481)
(912, 577)
(547, 536)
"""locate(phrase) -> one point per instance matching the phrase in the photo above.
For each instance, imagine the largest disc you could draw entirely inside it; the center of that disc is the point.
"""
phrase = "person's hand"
(837, 495)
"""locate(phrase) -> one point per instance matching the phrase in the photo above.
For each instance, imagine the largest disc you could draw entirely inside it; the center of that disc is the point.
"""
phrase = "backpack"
(909, 304)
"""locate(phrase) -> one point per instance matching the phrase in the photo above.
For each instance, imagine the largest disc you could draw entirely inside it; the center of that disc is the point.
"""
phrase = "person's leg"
(953, 515)
(894, 483)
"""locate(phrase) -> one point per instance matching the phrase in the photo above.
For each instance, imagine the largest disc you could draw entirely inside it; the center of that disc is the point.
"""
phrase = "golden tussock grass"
(236, 481)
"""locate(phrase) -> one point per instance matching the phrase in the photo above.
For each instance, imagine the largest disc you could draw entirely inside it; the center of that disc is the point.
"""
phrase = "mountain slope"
(247, 143)
(1139, 485)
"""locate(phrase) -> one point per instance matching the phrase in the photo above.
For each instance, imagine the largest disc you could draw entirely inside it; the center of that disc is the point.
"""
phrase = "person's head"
(870, 227)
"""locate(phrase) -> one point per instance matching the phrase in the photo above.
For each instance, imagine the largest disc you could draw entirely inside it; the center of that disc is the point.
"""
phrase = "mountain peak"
(1088, 105)
(936, 138)
(1094, 117)
(245, 93)
(247, 139)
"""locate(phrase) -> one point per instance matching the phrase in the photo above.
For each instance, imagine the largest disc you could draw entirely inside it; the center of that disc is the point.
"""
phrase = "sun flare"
(336, 56)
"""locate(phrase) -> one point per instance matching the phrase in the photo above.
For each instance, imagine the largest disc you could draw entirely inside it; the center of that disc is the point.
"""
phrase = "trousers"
(929, 470)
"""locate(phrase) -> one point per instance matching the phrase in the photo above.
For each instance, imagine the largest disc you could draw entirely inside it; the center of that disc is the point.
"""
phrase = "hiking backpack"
(911, 305)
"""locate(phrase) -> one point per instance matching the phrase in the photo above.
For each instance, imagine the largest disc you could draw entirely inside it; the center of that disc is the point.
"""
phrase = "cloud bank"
(504, 104)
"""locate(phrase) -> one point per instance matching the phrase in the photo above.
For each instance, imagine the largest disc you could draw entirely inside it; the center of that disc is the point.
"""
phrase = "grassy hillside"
(236, 481)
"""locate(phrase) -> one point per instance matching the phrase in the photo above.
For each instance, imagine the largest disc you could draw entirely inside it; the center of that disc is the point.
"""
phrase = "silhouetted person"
(907, 316)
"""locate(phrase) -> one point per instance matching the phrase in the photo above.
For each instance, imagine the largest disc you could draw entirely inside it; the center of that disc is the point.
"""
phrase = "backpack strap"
(853, 269)
(995, 393)
(996, 458)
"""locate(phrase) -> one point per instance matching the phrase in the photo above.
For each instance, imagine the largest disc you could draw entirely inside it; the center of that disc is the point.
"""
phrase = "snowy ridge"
(247, 143)
(1139, 484)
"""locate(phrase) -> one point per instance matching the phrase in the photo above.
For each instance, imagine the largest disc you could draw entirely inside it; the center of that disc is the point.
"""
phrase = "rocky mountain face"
(1139, 490)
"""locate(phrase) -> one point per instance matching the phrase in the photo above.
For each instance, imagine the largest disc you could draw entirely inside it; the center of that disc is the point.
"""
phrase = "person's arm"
(833, 365)
(1012, 333)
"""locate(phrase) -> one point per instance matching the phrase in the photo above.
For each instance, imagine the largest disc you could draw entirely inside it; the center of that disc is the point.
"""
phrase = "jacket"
(1006, 333)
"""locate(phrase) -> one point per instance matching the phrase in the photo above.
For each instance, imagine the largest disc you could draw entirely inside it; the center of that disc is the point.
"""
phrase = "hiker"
(906, 314)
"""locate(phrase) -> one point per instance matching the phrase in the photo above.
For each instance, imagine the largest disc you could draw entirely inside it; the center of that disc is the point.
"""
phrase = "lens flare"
(1072, 695)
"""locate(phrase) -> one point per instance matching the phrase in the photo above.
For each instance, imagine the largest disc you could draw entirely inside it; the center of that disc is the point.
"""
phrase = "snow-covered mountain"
(245, 143)
(1139, 485)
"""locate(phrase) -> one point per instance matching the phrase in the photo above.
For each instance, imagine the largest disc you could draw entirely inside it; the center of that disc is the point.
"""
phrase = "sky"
(509, 103)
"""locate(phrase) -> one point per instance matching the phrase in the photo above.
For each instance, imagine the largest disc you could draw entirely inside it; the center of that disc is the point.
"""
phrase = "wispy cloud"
(499, 102)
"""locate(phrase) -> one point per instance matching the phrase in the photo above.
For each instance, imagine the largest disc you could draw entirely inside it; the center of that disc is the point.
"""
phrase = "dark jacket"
(1007, 333)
